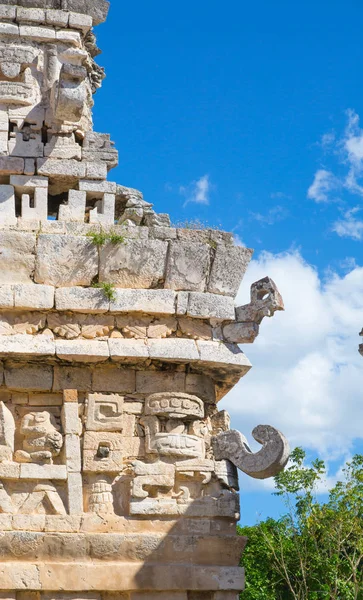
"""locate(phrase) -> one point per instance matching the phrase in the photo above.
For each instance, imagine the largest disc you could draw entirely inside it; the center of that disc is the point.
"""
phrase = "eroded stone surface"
(65, 261)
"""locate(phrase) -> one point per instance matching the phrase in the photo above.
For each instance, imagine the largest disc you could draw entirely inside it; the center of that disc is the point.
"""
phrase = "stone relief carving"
(170, 450)
(42, 440)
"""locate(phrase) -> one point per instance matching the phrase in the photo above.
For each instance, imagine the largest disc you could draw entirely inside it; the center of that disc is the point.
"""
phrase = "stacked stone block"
(119, 334)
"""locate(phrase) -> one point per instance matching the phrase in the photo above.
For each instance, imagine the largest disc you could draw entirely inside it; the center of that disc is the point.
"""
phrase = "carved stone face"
(47, 83)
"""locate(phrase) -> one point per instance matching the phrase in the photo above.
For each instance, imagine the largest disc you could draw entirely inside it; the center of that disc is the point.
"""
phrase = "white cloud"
(349, 225)
(324, 183)
(307, 373)
(274, 215)
(348, 179)
(238, 240)
(197, 191)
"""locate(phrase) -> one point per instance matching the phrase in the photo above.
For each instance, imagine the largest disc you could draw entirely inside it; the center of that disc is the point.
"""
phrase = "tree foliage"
(315, 551)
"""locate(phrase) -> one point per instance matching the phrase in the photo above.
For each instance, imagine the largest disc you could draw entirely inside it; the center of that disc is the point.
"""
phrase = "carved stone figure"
(42, 440)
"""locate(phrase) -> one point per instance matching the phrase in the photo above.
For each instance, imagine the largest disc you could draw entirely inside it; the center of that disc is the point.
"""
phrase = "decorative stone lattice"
(117, 471)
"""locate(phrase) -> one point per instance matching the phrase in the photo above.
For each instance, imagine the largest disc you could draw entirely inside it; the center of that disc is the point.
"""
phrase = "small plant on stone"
(98, 238)
(108, 290)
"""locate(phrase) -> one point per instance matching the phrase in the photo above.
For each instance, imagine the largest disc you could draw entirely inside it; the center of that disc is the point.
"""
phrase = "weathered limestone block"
(104, 211)
(122, 349)
(134, 264)
(229, 266)
(146, 301)
(188, 266)
(150, 382)
(223, 354)
(36, 297)
(26, 345)
(6, 296)
(79, 378)
(176, 349)
(17, 257)
(78, 299)
(55, 17)
(114, 379)
(10, 165)
(25, 377)
(82, 350)
(7, 205)
(207, 306)
(75, 209)
(96, 189)
(241, 333)
(97, 9)
(7, 13)
(65, 260)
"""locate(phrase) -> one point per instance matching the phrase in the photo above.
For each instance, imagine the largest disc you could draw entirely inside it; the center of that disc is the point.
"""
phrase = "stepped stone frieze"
(119, 335)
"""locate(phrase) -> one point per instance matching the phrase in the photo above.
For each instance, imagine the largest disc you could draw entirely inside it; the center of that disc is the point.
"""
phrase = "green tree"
(315, 551)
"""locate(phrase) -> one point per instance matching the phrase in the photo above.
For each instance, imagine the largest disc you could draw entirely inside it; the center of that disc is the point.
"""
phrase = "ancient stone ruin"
(118, 336)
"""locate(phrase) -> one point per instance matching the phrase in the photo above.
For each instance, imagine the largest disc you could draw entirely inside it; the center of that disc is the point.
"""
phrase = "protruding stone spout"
(268, 462)
(265, 301)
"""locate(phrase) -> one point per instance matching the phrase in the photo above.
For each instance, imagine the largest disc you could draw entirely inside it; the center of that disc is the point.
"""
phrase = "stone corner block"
(223, 354)
(228, 269)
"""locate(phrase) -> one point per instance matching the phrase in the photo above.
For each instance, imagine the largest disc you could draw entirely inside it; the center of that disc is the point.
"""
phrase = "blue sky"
(245, 115)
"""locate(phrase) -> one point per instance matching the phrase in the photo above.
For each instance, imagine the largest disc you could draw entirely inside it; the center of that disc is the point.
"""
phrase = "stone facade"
(118, 336)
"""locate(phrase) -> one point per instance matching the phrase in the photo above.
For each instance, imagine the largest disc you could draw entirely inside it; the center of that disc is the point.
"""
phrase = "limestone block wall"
(119, 335)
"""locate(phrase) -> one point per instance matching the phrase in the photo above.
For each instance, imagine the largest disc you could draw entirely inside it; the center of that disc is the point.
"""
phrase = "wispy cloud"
(281, 195)
(324, 183)
(197, 191)
(346, 177)
(274, 215)
(307, 358)
(349, 225)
